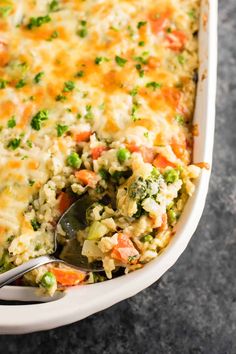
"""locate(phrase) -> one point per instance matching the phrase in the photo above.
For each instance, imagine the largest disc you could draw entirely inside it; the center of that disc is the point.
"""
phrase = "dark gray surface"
(193, 308)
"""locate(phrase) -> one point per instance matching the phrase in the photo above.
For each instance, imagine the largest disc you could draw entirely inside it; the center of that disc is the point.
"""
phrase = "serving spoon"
(67, 249)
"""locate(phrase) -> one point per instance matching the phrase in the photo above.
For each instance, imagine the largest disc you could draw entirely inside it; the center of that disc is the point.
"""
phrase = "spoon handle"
(15, 273)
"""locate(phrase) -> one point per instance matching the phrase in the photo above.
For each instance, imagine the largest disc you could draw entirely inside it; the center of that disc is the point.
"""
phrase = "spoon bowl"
(67, 249)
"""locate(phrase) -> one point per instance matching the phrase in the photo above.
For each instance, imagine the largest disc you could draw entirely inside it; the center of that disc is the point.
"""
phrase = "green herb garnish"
(120, 61)
(154, 85)
(11, 123)
(14, 143)
(68, 86)
(89, 114)
(53, 6)
(38, 21)
(38, 119)
(60, 98)
(38, 77)
(21, 83)
(141, 24)
(179, 119)
(61, 129)
(5, 10)
(3, 84)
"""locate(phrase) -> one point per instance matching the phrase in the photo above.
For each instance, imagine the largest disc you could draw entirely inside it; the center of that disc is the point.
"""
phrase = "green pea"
(171, 214)
(74, 160)
(123, 155)
(171, 175)
(147, 238)
(48, 280)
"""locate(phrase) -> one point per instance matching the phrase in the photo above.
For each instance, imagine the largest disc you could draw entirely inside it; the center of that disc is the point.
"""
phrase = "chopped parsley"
(141, 44)
(53, 6)
(99, 60)
(35, 224)
(61, 129)
(120, 61)
(60, 98)
(134, 109)
(140, 70)
(11, 123)
(5, 10)
(181, 59)
(154, 85)
(29, 143)
(141, 60)
(54, 35)
(134, 92)
(38, 77)
(14, 143)
(141, 24)
(89, 114)
(79, 73)
(82, 32)
(131, 31)
(68, 86)
(21, 83)
(3, 84)
(38, 119)
(132, 258)
(179, 119)
(192, 14)
(38, 21)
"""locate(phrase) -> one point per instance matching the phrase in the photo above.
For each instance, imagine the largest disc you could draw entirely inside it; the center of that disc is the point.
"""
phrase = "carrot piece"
(161, 162)
(87, 177)
(178, 149)
(133, 148)
(4, 54)
(124, 251)
(82, 136)
(64, 202)
(97, 152)
(203, 165)
(164, 224)
(177, 40)
(147, 153)
(159, 24)
(68, 277)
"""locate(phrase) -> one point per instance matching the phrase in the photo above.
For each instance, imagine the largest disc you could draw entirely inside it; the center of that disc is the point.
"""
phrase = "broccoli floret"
(138, 189)
(5, 263)
(142, 188)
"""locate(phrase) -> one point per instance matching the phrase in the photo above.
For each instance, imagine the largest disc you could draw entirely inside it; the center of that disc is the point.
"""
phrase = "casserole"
(87, 300)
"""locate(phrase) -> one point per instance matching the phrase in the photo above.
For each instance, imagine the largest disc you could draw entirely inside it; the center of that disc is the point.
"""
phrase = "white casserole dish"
(80, 302)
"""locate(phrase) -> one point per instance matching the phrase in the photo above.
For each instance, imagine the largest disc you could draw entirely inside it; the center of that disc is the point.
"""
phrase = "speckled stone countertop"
(192, 309)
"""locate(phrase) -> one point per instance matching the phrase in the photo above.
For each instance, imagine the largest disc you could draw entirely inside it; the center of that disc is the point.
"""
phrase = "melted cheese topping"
(123, 69)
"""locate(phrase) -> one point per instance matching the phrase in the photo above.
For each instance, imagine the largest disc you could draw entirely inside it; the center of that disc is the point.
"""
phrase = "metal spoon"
(67, 250)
